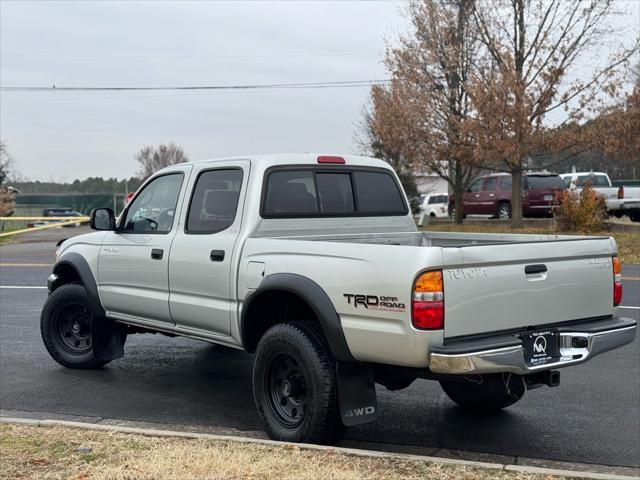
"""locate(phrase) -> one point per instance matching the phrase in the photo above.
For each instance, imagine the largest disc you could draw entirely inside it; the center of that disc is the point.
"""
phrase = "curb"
(308, 446)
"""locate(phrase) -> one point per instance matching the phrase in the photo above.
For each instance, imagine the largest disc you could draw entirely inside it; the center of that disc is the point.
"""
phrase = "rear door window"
(437, 199)
(214, 201)
(505, 183)
(490, 184)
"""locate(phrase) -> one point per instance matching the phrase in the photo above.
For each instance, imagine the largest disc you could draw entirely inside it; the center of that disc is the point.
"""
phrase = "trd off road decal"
(374, 302)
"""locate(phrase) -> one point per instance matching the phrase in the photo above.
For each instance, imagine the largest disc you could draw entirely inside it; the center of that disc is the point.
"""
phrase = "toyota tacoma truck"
(314, 264)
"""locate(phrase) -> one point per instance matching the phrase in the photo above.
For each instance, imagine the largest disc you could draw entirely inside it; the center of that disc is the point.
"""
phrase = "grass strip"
(43, 452)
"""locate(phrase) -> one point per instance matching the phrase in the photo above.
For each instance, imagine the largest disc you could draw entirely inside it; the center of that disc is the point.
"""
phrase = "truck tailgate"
(490, 288)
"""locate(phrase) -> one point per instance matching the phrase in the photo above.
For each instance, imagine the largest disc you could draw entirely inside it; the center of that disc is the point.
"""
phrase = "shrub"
(584, 211)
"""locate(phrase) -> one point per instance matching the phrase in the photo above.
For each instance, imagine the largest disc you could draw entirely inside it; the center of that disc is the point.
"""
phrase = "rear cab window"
(594, 180)
(544, 182)
(326, 192)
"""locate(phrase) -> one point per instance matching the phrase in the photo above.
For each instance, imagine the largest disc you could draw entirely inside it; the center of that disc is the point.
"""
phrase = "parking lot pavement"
(593, 417)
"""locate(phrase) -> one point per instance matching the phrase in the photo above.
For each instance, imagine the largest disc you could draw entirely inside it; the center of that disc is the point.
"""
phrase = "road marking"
(633, 279)
(629, 308)
(25, 264)
(17, 287)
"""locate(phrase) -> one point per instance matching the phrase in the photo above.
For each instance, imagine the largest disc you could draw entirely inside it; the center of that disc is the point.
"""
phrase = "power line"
(265, 86)
(180, 56)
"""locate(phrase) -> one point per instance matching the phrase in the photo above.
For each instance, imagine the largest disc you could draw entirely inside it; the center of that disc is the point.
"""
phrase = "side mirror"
(102, 219)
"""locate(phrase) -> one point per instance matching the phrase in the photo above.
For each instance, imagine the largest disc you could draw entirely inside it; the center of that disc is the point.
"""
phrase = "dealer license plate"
(541, 347)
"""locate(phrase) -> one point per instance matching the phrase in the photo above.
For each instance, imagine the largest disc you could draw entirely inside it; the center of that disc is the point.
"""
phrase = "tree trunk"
(516, 198)
(457, 190)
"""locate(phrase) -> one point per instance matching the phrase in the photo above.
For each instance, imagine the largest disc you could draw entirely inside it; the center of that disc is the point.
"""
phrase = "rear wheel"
(65, 325)
(294, 385)
(485, 393)
(504, 211)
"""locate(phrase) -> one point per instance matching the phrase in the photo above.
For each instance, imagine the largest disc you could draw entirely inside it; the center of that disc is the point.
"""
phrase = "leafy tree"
(420, 116)
(527, 69)
(153, 159)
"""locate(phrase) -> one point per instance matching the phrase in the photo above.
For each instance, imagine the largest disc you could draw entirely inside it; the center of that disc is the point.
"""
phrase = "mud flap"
(108, 338)
(356, 393)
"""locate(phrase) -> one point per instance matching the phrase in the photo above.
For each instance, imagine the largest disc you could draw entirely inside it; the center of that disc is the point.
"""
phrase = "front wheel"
(485, 393)
(294, 385)
(65, 325)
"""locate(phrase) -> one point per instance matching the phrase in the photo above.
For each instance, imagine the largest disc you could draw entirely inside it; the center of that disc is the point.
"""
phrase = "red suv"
(491, 195)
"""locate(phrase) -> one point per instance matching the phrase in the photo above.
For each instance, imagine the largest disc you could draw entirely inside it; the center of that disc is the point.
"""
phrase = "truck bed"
(488, 284)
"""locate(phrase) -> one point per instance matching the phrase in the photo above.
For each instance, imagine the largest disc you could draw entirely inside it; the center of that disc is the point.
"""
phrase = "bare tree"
(6, 196)
(528, 70)
(153, 159)
(421, 114)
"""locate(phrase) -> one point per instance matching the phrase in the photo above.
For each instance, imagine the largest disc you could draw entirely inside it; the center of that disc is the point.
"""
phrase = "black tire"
(294, 385)
(485, 393)
(65, 325)
(504, 211)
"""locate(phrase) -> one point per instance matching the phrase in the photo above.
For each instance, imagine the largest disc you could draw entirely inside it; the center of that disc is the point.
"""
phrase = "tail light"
(427, 304)
(617, 281)
(621, 193)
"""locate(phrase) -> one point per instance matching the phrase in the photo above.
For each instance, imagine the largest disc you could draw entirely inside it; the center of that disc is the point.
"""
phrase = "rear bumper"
(505, 353)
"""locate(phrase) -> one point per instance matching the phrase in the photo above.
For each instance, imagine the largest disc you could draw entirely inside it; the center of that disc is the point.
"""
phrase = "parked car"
(63, 212)
(435, 204)
(314, 263)
(491, 195)
(623, 200)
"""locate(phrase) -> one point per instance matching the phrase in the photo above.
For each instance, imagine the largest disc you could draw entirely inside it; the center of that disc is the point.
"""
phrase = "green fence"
(33, 205)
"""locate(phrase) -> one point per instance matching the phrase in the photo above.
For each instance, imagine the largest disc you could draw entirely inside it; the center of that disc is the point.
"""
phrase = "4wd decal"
(374, 302)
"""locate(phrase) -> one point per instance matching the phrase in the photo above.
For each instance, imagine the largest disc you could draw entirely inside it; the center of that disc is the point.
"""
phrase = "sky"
(64, 135)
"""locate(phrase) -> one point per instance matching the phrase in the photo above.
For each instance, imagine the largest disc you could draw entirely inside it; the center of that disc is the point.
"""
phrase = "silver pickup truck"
(314, 264)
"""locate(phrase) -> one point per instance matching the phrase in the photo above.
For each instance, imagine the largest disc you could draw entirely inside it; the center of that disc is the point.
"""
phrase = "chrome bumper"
(511, 358)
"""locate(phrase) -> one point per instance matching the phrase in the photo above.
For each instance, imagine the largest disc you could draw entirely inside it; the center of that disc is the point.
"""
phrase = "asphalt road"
(593, 417)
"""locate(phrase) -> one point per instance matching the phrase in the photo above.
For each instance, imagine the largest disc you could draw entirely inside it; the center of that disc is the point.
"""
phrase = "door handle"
(157, 253)
(533, 269)
(216, 255)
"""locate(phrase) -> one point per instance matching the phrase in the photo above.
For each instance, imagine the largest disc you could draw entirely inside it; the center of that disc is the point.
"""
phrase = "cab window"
(153, 209)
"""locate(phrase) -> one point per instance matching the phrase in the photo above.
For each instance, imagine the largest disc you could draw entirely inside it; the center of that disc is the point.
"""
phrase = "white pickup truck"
(314, 264)
(620, 200)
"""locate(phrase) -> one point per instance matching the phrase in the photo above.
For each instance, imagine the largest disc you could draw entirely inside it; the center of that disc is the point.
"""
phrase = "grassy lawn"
(58, 452)
(628, 243)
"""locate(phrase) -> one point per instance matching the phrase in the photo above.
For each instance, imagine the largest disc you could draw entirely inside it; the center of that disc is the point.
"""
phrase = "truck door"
(202, 280)
(471, 198)
(487, 204)
(133, 263)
